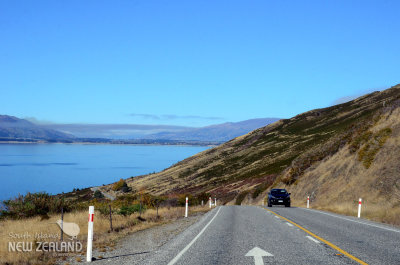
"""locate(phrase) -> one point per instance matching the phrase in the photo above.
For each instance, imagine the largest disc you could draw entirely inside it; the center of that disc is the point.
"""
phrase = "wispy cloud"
(173, 117)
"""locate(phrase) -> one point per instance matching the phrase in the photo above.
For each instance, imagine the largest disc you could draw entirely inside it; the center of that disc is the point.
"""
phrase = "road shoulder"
(138, 246)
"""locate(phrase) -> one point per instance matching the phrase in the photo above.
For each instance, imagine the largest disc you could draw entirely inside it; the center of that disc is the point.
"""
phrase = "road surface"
(107, 195)
(255, 235)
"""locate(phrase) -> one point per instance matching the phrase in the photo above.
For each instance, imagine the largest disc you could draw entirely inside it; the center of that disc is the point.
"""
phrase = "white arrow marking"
(258, 253)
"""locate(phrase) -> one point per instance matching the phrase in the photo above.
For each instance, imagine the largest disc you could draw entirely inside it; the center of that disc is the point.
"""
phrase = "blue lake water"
(56, 168)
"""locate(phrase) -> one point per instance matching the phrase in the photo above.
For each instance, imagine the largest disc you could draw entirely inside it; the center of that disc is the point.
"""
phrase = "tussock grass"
(103, 238)
(383, 212)
(336, 183)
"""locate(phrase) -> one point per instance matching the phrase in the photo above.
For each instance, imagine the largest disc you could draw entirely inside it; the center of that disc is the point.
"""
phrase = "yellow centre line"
(321, 239)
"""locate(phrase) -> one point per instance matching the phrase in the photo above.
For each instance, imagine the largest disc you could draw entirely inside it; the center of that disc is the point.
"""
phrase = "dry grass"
(383, 212)
(336, 183)
(104, 240)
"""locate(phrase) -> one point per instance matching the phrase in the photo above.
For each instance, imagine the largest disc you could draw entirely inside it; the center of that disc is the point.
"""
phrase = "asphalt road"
(371, 242)
(234, 234)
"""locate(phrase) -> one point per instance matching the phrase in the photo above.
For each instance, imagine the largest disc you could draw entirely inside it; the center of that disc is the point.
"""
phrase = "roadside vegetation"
(382, 211)
(241, 197)
(37, 214)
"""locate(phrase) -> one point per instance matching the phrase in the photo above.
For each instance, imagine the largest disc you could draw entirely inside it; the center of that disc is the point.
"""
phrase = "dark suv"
(278, 197)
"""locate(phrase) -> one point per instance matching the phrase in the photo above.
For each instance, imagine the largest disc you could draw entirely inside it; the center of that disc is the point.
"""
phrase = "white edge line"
(377, 226)
(191, 242)
(277, 217)
(289, 224)
(313, 239)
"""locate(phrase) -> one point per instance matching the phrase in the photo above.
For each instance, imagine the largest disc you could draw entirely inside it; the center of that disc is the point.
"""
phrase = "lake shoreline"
(110, 143)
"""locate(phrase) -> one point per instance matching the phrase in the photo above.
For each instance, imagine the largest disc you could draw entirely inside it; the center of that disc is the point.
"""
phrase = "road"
(255, 235)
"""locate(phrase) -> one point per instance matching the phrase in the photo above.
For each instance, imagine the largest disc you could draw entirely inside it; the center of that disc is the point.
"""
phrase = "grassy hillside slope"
(370, 170)
(288, 152)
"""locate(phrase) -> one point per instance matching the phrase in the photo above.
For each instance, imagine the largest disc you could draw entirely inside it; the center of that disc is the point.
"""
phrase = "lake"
(56, 168)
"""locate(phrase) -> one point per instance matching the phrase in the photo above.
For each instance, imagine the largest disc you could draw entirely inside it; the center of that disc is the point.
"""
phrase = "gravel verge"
(136, 247)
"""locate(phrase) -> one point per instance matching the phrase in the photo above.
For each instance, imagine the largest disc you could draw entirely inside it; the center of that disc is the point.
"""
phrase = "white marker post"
(215, 204)
(187, 205)
(210, 202)
(90, 234)
(359, 208)
(308, 202)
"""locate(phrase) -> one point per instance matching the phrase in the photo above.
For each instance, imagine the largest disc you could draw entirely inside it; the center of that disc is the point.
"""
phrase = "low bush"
(121, 186)
(33, 204)
(97, 194)
(182, 200)
(367, 153)
(259, 189)
(130, 209)
(241, 197)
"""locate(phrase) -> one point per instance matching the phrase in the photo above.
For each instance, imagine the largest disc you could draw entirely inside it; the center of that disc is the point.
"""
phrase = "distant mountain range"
(15, 129)
(219, 132)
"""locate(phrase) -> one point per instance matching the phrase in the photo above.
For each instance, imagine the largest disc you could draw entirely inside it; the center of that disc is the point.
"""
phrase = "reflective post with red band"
(308, 201)
(359, 208)
(187, 205)
(210, 202)
(90, 234)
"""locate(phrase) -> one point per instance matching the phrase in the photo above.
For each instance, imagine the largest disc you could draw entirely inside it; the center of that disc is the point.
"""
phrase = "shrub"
(360, 140)
(171, 202)
(127, 198)
(33, 204)
(182, 200)
(259, 189)
(203, 197)
(367, 153)
(241, 197)
(104, 210)
(128, 210)
(98, 195)
(121, 186)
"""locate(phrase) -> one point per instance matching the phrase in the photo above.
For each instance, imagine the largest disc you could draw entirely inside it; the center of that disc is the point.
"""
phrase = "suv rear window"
(278, 191)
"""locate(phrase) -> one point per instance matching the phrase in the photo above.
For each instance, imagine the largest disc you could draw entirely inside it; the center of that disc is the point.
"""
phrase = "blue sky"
(191, 63)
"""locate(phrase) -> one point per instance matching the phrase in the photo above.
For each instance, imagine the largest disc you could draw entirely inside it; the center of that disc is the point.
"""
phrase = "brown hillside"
(336, 183)
(360, 133)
